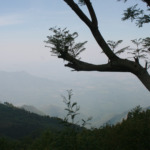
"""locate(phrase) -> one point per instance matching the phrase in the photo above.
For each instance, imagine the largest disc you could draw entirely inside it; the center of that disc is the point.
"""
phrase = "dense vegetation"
(132, 133)
(17, 123)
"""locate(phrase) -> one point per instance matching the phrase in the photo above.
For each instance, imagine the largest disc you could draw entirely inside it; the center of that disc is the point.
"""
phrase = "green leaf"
(74, 104)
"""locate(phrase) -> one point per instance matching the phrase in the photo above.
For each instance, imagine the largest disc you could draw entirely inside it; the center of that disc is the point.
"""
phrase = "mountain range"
(97, 97)
(112, 121)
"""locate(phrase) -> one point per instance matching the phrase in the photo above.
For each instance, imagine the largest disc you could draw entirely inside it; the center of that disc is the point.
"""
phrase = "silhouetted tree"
(64, 47)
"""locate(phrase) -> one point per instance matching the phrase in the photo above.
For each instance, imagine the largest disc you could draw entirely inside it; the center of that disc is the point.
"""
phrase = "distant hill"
(22, 88)
(17, 123)
(119, 117)
(32, 109)
(97, 97)
(54, 110)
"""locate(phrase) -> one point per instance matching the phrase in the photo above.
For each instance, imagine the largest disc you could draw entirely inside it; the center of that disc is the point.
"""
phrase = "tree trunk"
(144, 77)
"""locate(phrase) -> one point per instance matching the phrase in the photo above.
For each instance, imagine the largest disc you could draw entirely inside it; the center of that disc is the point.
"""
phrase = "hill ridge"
(17, 123)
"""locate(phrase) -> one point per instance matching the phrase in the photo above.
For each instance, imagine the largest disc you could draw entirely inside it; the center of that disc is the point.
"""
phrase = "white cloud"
(10, 19)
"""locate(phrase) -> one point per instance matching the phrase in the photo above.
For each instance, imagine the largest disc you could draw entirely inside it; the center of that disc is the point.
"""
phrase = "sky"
(24, 26)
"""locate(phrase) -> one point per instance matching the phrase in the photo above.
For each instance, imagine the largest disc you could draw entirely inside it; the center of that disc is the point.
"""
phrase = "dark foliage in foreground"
(131, 134)
(17, 123)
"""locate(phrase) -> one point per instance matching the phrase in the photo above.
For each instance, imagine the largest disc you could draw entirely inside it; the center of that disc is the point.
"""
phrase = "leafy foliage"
(62, 42)
(146, 43)
(141, 51)
(72, 109)
(138, 14)
(134, 113)
(113, 45)
(138, 52)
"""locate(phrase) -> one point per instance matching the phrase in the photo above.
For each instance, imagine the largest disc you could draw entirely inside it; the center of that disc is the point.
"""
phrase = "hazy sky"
(24, 26)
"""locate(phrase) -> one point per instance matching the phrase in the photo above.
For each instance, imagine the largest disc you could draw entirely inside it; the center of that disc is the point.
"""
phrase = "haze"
(24, 26)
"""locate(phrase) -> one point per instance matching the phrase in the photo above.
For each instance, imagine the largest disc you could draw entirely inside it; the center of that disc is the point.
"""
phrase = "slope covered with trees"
(17, 123)
(132, 133)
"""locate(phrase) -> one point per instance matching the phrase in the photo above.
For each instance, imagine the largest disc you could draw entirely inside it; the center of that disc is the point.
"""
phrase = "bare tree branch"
(96, 33)
(79, 12)
(92, 12)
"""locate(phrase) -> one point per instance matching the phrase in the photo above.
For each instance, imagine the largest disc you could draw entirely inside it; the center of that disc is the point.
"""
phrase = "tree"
(139, 15)
(64, 47)
(72, 109)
